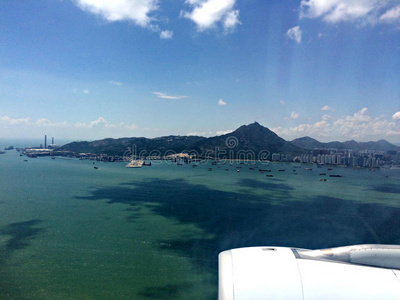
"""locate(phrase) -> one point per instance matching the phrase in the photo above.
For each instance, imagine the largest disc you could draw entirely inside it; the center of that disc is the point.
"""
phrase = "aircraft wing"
(351, 272)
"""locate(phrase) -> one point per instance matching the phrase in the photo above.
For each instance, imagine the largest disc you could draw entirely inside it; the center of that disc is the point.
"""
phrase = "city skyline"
(88, 70)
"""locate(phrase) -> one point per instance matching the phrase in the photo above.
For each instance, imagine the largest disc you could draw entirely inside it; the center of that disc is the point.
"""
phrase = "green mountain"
(248, 141)
(134, 146)
(307, 143)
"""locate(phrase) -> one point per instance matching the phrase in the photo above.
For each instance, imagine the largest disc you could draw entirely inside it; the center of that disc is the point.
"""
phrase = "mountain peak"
(253, 127)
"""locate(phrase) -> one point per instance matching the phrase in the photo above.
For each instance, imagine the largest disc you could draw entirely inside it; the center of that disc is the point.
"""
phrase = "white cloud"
(361, 11)
(120, 10)
(231, 20)
(396, 116)
(117, 83)
(221, 102)
(392, 15)
(100, 128)
(7, 121)
(326, 118)
(43, 122)
(86, 92)
(282, 102)
(294, 115)
(99, 122)
(166, 34)
(165, 96)
(360, 126)
(223, 132)
(295, 34)
(326, 108)
(206, 13)
(209, 132)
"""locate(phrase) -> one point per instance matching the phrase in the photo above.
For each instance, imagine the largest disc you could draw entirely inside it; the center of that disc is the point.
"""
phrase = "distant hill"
(307, 143)
(310, 143)
(252, 138)
(155, 146)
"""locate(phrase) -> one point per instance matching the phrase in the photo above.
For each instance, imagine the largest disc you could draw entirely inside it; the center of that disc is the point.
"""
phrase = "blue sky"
(91, 69)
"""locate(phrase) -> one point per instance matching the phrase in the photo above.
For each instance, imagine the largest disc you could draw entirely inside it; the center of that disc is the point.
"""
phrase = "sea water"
(70, 231)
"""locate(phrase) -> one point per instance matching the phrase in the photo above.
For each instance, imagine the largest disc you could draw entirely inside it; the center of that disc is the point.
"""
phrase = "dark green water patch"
(20, 233)
(387, 188)
(382, 223)
(238, 220)
(167, 292)
(273, 184)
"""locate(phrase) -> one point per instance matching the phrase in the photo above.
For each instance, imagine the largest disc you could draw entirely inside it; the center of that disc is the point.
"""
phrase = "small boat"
(281, 170)
(322, 179)
(322, 173)
(330, 169)
(268, 175)
(335, 176)
(135, 164)
(96, 168)
(251, 168)
(308, 169)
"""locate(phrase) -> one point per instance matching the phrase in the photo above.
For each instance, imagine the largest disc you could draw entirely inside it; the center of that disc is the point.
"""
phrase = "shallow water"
(69, 231)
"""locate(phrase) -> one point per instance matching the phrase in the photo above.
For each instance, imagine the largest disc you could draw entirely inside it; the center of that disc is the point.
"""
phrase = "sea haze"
(70, 231)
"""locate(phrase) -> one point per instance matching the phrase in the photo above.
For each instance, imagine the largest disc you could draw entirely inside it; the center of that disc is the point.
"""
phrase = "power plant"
(51, 146)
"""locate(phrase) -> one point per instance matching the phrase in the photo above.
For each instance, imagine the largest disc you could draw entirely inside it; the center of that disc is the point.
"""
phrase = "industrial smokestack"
(52, 140)
(45, 141)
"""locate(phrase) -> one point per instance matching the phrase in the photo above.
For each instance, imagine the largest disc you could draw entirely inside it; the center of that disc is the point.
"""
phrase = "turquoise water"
(69, 231)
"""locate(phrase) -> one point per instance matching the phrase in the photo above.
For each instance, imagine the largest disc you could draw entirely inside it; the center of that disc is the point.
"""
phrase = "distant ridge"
(310, 143)
(252, 137)
(307, 143)
(134, 145)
